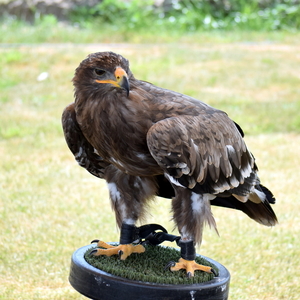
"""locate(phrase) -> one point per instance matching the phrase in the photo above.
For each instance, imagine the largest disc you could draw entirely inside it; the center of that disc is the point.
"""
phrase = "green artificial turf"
(149, 266)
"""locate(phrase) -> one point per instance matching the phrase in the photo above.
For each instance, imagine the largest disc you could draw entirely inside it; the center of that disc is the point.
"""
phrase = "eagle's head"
(102, 72)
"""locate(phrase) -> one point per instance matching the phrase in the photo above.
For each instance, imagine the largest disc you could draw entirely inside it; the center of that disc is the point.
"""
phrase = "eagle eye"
(99, 72)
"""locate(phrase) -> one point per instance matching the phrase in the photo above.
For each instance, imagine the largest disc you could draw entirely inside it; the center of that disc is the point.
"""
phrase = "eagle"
(147, 141)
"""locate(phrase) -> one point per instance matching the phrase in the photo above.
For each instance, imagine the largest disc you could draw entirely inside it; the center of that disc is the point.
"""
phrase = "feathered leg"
(191, 211)
(129, 196)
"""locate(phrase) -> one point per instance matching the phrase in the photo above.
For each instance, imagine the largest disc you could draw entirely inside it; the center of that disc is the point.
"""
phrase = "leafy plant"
(192, 15)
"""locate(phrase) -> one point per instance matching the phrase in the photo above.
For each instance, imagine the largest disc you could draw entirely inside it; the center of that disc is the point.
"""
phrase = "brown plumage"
(147, 141)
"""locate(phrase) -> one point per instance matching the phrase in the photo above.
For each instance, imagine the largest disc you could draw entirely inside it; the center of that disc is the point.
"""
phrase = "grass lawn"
(49, 206)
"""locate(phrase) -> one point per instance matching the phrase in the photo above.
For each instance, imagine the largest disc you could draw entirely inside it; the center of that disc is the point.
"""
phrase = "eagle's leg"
(128, 195)
(191, 211)
(126, 246)
(187, 260)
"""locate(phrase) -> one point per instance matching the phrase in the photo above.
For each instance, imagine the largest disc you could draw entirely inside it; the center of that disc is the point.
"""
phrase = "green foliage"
(46, 21)
(113, 21)
(119, 14)
(150, 266)
(192, 15)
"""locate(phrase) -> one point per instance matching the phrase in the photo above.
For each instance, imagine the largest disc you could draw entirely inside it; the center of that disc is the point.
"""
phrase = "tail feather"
(270, 197)
(260, 212)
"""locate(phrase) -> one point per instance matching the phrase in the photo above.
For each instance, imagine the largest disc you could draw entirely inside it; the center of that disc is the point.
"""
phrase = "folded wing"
(206, 153)
(84, 152)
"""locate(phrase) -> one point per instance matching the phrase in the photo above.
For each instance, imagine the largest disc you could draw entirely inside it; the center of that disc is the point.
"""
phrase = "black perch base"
(99, 285)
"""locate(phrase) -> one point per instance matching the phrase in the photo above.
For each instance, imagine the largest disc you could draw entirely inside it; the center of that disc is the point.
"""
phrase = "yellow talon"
(191, 266)
(122, 250)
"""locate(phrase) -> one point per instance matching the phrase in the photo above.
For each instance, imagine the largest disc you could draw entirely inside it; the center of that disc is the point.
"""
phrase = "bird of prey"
(147, 141)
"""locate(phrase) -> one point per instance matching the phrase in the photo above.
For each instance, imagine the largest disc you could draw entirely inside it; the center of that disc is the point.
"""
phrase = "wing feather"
(83, 151)
(207, 149)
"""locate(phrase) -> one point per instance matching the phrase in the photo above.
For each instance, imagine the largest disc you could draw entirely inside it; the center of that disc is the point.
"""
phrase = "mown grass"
(49, 206)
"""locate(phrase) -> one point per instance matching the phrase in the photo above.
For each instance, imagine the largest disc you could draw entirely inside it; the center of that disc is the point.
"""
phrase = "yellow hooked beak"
(120, 81)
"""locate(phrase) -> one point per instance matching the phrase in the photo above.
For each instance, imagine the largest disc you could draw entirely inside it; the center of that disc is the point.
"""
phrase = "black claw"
(214, 272)
(120, 253)
(94, 241)
(170, 264)
(93, 251)
(189, 275)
